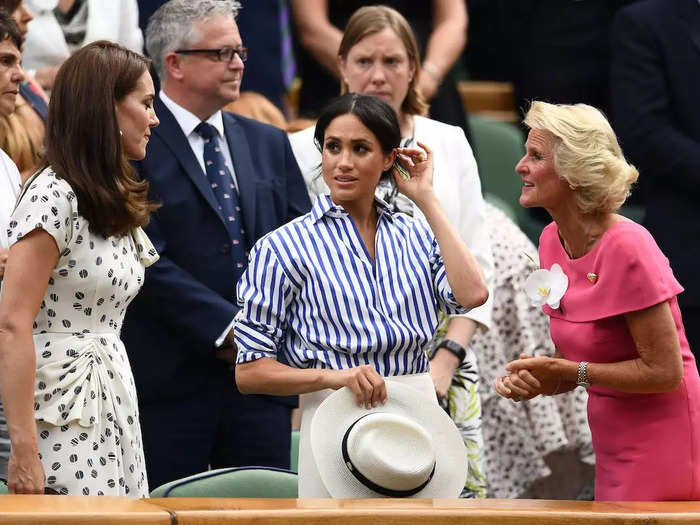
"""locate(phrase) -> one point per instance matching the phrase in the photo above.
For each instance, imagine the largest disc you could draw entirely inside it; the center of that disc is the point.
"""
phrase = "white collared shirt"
(313, 293)
(10, 186)
(188, 121)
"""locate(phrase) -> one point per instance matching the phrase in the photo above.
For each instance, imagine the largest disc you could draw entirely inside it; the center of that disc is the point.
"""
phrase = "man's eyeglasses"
(225, 54)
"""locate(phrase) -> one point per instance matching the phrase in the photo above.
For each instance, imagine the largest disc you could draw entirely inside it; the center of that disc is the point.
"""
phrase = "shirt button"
(225, 248)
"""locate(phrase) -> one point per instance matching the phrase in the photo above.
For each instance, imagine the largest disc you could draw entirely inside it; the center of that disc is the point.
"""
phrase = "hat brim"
(339, 410)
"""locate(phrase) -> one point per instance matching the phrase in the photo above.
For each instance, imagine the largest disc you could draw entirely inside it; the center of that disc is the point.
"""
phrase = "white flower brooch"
(547, 286)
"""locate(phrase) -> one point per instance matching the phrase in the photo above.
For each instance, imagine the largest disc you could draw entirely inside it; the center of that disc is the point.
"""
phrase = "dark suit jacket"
(189, 295)
(655, 79)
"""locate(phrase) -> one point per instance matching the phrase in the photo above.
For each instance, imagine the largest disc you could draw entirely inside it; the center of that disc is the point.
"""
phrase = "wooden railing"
(214, 511)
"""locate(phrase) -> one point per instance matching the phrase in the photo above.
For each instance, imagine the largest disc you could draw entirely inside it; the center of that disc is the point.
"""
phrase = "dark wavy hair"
(375, 114)
(83, 145)
(8, 27)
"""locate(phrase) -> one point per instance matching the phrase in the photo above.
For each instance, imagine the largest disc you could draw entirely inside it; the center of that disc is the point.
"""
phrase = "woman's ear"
(389, 160)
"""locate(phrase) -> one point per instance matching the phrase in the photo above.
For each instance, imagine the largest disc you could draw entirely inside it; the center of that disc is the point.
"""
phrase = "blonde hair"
(373, 19)
(22, 139)
(586, 154)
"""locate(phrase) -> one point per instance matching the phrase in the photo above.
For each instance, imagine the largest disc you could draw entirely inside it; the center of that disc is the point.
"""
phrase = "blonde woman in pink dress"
(614, 314)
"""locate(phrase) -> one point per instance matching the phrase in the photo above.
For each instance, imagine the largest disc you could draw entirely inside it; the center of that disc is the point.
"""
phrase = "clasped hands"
(528, 377)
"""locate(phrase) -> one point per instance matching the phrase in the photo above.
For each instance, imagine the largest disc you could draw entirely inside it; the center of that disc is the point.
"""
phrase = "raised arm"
(445, 44)
(462, 270)
(317, 34)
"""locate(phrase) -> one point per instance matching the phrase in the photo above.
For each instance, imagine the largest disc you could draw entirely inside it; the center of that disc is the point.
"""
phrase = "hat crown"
(391, 450)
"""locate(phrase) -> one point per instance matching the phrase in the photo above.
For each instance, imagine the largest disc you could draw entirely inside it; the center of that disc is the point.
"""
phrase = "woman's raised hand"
(418, 162)
(364, 381)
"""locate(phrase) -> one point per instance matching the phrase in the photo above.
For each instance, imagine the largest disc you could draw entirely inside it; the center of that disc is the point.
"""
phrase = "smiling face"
(542, 186)
(136, 117)
(11, 75)
(352, 160)
(379, 65)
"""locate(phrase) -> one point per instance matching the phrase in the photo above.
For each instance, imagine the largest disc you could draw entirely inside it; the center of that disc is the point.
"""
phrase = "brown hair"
(83, 145)
(10, 5)
(373, 19)
(22, 138)
(8, 27)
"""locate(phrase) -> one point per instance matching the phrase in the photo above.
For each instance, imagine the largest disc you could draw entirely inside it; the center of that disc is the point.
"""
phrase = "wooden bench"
(205, 511)
(494, 100)
(215, 511)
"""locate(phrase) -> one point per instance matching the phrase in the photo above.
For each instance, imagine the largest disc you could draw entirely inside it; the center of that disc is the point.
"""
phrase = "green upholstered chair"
(235, 482)
(499, 146)
(294, 452)
(3, 488)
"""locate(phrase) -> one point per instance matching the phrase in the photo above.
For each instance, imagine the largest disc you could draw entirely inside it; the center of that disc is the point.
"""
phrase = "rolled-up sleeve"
(263, 294)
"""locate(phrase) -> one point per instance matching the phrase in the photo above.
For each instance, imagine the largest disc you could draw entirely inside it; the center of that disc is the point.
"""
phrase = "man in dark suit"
(655, 80)
(224, 181)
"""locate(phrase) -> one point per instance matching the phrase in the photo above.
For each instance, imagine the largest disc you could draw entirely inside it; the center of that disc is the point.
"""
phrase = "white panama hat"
(408, 447)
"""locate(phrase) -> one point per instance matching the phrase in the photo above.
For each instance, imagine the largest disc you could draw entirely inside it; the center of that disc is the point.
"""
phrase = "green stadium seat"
(235, 482)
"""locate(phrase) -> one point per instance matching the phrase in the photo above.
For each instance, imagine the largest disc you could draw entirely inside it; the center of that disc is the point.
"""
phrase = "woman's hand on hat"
(364, 381)
(418, 162)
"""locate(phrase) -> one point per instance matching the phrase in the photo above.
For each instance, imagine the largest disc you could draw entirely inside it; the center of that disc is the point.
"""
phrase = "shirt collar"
(325, 206)
(187, 120)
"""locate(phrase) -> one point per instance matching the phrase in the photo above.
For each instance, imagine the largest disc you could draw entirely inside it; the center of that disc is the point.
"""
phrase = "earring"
(120, 133)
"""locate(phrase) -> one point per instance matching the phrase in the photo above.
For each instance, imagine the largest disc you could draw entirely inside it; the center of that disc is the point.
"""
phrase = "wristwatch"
(582, 378)
(454, 347)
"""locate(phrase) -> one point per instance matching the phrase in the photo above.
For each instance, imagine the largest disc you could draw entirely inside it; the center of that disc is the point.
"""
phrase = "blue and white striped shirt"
(312, 292)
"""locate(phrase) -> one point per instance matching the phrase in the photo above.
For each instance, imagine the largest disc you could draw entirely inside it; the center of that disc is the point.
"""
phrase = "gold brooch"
(592, 277)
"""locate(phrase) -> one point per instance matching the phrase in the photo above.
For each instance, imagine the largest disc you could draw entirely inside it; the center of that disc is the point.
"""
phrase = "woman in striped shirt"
(349, 293)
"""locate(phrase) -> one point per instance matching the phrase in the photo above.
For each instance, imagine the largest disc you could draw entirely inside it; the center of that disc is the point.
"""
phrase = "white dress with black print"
(84, 396)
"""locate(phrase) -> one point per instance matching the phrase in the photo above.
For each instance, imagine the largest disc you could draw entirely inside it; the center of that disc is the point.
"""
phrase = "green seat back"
(294, 452)
(243, 482)
(499, 146)
(3, 488)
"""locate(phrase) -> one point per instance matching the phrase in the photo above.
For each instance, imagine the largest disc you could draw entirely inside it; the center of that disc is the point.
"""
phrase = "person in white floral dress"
(77, 258)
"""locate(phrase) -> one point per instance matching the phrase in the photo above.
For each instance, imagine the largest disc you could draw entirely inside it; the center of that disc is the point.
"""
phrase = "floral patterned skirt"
(463, 404)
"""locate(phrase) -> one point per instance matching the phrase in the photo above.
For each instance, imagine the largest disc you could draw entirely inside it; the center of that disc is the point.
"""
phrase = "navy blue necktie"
(221, 183)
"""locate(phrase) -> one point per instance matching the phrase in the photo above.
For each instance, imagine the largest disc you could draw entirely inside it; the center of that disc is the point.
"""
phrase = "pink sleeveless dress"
(647, 445)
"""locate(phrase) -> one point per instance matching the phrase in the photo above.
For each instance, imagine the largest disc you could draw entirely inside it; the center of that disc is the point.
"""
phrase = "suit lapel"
(171, 133)
(245, 172)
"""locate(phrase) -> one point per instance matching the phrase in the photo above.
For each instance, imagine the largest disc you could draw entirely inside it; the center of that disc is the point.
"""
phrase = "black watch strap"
(454, 347)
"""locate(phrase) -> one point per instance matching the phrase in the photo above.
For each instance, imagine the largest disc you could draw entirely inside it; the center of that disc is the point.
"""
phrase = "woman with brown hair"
(77, 258)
